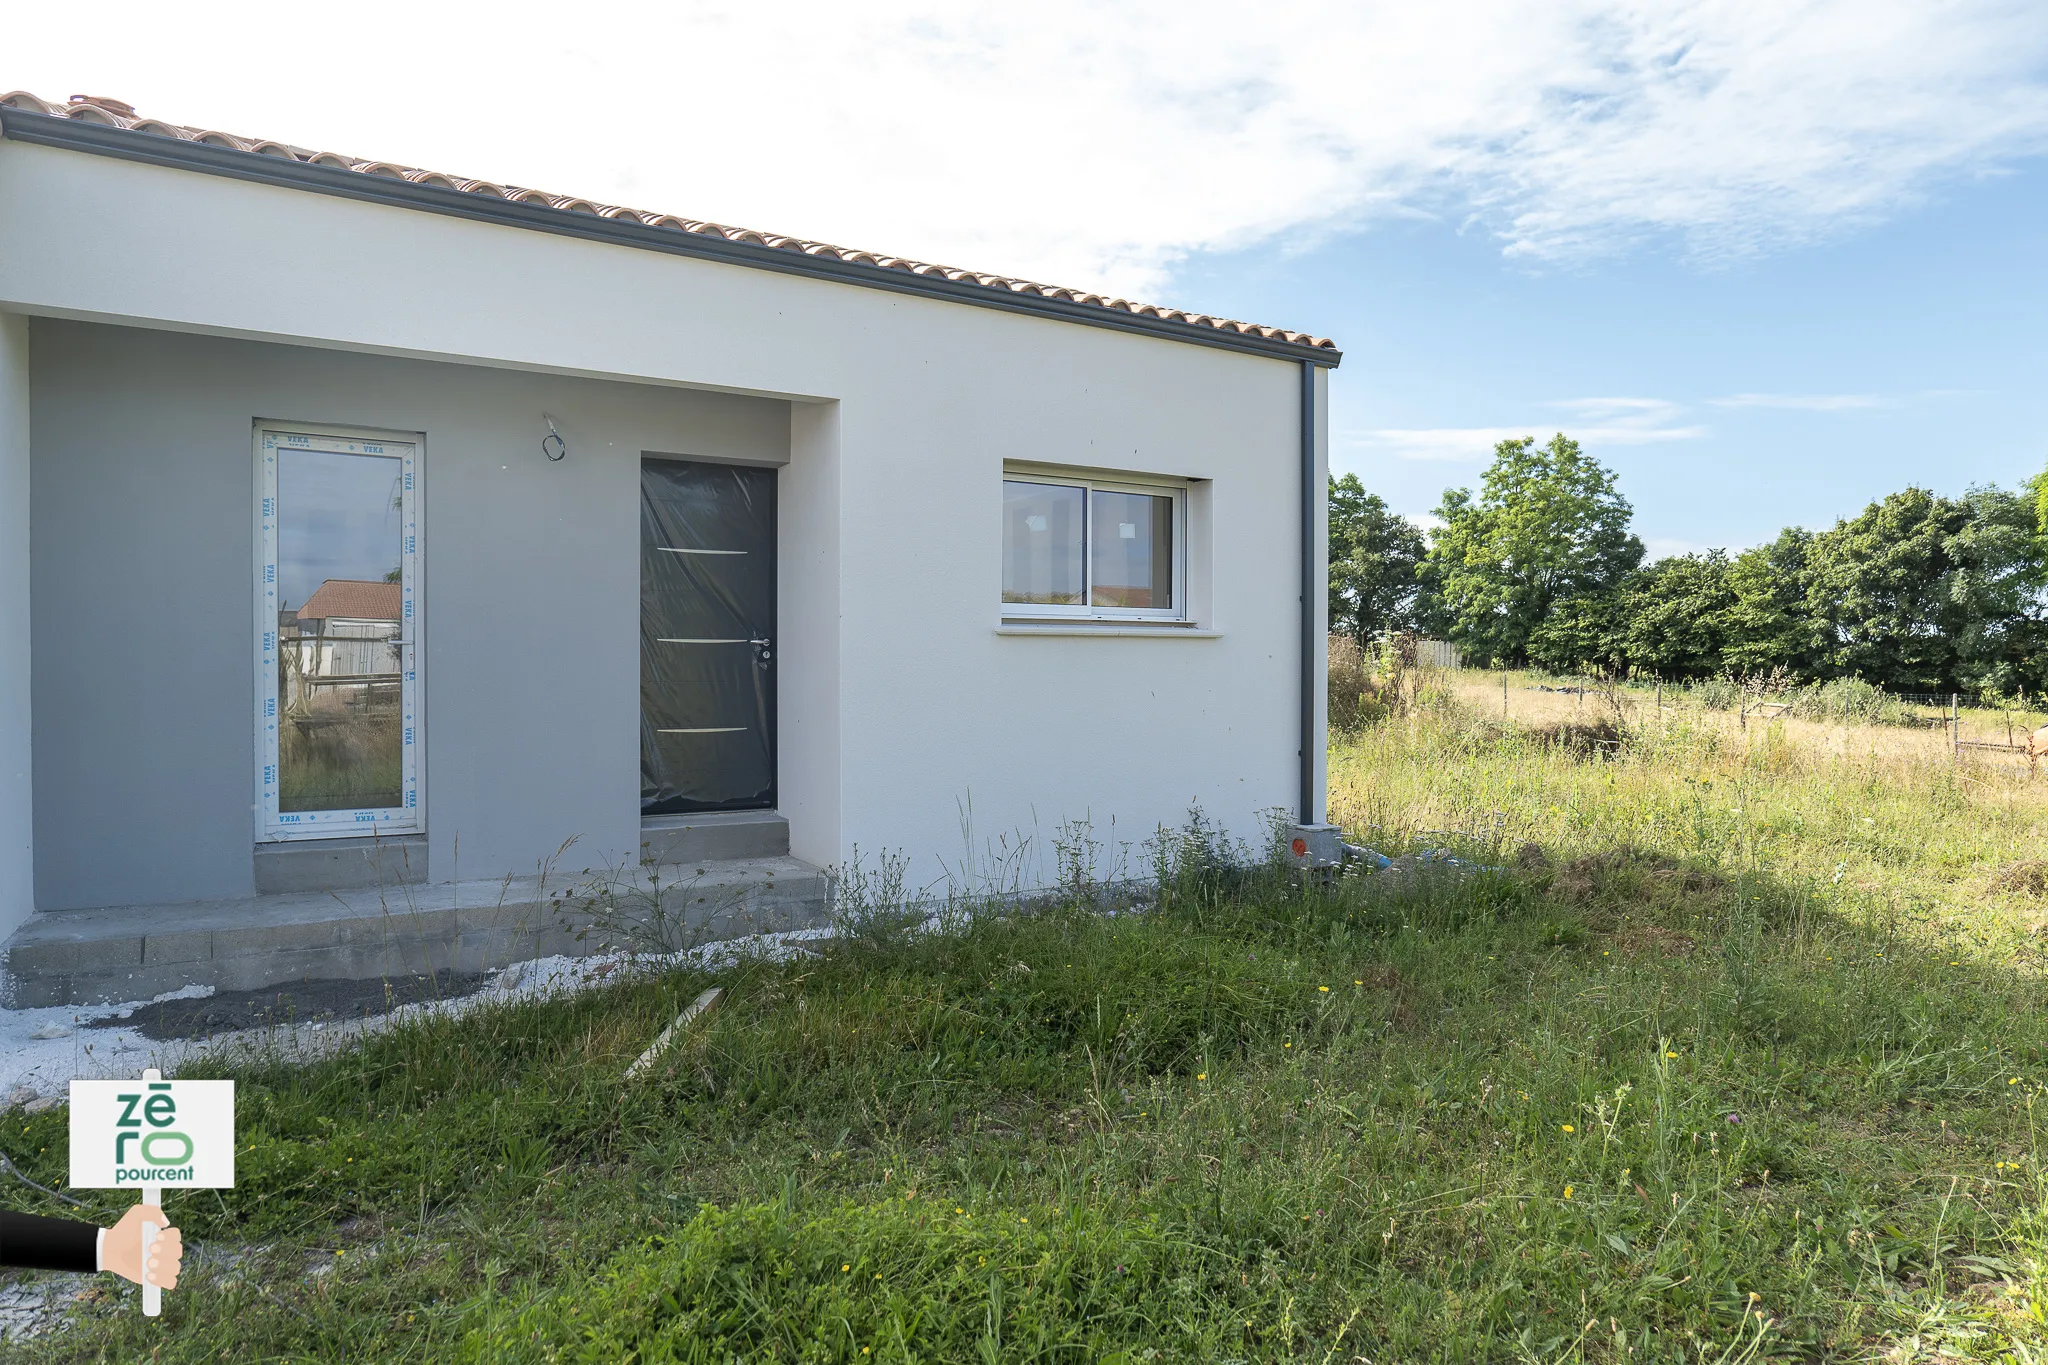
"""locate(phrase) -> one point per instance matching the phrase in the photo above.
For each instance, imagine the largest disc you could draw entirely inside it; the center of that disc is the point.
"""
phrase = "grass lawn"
(1744, 1066)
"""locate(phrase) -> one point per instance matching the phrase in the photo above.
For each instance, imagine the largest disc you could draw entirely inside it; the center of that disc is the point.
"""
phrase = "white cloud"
(1627, 421)
(1436, 443)
(1664, 547)
(1599, 421)
(1803, 402)
(1642, 408)
(1096, 144)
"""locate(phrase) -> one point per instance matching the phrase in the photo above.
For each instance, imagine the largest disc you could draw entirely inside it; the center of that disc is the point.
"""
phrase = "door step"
(136, 952)
(714, 834)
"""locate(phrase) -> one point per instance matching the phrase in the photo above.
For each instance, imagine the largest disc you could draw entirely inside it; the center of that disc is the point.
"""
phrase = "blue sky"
(1768, 261)
(1787, 388)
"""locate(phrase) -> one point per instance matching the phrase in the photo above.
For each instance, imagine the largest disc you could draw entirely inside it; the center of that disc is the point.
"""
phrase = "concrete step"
(341, 864)
(134, 952)
(714, 834)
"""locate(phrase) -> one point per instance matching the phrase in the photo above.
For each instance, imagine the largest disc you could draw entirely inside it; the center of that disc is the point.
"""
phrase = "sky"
(337, 517)
(1767, 261)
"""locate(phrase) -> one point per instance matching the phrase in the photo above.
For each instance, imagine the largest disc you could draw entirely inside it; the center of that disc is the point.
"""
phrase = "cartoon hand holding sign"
(146, 1135)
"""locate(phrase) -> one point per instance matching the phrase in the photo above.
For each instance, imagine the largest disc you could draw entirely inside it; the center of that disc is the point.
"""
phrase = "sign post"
(152, 1295)
(150, 1135)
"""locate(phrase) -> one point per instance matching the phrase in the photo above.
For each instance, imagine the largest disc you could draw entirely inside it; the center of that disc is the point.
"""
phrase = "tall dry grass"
(1874, 822)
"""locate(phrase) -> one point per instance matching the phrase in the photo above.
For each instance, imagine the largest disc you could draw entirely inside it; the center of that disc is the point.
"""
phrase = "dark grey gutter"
(158, 150)
(1311, 545)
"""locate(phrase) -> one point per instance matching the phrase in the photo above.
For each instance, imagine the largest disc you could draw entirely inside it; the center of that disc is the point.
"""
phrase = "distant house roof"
(353, 599)
(871, 268)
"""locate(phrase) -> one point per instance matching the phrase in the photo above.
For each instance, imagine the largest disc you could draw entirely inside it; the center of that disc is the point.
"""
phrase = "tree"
(1669, 618)
(2036, 490)
(1678, 615)
(1589, 631)
(1374, 553)
(1548, 525)
(1883, 589)
(1768, 625)
(2000, 580)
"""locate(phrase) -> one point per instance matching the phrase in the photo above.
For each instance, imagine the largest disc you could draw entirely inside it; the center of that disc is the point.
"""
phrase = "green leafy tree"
(1548, 526)
(1884, 589)
(2001, 584)
(1678, 615)
(2036, 489)
(1669, 618)
(1768, 625)
(1589, 631)
(1374, 553)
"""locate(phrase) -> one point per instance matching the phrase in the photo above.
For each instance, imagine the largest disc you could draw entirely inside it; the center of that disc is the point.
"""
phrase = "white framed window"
(337, 634)
(1089, 548)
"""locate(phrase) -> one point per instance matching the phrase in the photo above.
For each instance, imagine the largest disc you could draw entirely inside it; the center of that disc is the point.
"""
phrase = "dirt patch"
(301, 1002)
(2027, 877)
(1654, 939)
(1583, 879)
(1579, 879)
(1599, 737)
(1631, 874)
(1692, 881)
(1401, 995)
(37, 1303)
(1530, 857)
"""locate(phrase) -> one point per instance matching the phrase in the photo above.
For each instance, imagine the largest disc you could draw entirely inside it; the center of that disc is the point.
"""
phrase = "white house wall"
(923, 401)
(808, 684)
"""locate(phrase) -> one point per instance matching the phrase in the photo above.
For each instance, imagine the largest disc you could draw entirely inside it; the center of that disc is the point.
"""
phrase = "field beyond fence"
(1836, 718)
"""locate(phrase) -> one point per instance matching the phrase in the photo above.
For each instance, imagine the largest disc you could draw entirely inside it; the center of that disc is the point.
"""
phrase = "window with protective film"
(337, 640)
(1091, 548)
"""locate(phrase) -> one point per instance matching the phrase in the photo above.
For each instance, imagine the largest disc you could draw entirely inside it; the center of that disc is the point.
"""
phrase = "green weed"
(1736, 1057)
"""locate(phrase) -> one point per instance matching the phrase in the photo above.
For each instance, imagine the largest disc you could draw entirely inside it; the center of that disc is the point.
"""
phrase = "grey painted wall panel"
(17, 883)
(143, 483)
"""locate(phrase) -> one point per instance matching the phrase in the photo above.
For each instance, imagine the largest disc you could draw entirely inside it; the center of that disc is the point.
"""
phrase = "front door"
(707, 637)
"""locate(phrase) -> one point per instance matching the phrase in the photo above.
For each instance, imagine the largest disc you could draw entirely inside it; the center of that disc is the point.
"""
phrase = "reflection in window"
(1133, 550)
(340, 606)
(1044, 544)
(1074, 547)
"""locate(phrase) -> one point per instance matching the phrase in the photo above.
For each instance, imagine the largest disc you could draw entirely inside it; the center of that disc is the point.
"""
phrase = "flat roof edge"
(98, 139)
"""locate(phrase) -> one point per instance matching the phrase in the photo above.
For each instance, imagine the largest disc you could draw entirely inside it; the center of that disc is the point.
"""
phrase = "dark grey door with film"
(707, 637)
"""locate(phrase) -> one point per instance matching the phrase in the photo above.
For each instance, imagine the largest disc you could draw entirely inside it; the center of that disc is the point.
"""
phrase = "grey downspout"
(1309, 493)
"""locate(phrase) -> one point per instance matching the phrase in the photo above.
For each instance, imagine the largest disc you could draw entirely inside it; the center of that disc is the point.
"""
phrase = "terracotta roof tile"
(353, 599)
(115, 113)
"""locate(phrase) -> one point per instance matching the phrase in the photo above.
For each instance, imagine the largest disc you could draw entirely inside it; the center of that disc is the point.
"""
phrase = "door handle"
(764, 650)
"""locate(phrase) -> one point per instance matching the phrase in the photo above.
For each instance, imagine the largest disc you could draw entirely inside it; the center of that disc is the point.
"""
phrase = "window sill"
(1163, 630)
